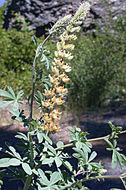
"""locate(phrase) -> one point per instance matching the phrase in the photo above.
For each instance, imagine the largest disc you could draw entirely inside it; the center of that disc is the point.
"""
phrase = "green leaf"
(42, 188)
(14, 112)
(68, 165)
(35, 172)
(58, 162)
(47, 138)
(15, 106)
(48, 161)
(92, 156)
(79, 144)
(39, 50)
(45, 60)
(16, 154)
(109, 143)
(51, 148)
(114, 159)
(5, 94)
(55, 177)
(44, 181)
(14, 162)
(20, 94)
(22, 136)
(26, 168)
(11, 91)
(59, 144)
(4, 162)
(40, 137)
(71, 129)
(4, 104)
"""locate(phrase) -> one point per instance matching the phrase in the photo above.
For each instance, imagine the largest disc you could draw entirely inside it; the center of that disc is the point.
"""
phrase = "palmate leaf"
(11, 92)
(46, 61)
(40, 137)
(22, 136)
(55, 177)
(68, 165)
(44, 179)
(48, 161)
(4, 104)
(10, 97)
(14, 152)
(58, 162)
(5, 94)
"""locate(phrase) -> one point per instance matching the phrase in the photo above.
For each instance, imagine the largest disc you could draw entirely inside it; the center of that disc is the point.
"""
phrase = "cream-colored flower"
(56, 111)
(49, 92)
(72, 29)
(64, 77)
(72, 37)
(46, 103)
(47, 118)
(52, 105)
(56, 128)
(63, 54)
(81, 12)
(56, 71)
(59, 46)
(59, 62)
(45, 127)
(64, 36)
(61, 90)
(54, 99)
(67, 68)
(69, 47)
(54, 80)
(60, 23)
(59, 101)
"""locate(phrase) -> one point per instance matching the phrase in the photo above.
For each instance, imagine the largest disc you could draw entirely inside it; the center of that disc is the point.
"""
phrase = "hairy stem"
(89, 140)
(97, 177)
(33, 87)
(28, 182)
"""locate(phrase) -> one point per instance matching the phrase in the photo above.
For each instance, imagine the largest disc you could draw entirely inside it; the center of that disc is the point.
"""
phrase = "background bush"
(98, 68)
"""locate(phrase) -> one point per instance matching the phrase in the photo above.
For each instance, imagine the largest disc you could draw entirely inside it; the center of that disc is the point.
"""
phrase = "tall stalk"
(29, 178)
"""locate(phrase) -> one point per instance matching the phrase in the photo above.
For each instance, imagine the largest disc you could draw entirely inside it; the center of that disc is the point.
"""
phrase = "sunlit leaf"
(26, 168)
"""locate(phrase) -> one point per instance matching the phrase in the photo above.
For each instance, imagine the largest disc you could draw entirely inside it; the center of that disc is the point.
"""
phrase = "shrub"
(99, 70)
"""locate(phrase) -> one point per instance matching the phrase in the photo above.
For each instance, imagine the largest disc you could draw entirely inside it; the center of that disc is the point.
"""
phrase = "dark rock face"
(43, 13)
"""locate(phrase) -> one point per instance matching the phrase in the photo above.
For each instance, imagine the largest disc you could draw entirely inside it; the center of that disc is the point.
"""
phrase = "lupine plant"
(35, 160)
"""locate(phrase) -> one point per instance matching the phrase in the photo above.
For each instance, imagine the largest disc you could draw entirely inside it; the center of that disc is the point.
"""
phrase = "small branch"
(89, 140)
(28, 182)
(33, 87)
(102, 138)
(46, 39)
(98, 177)
(65, 146)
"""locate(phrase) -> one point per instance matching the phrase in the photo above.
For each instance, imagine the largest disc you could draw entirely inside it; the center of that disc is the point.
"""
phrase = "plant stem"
(33, 87)
(29, 178)
(97, 177)
(89, 140)
(28, 182)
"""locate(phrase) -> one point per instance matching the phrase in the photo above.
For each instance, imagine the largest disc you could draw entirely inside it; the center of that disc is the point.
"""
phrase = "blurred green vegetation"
(98, 68)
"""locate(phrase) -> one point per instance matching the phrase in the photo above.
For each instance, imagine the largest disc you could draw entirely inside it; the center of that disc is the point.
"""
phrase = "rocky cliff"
(42, 14)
